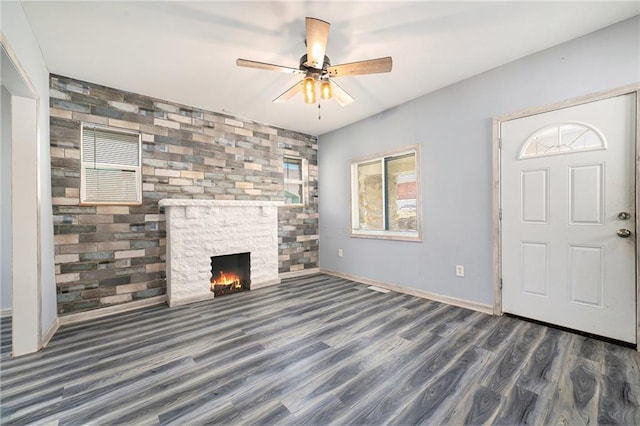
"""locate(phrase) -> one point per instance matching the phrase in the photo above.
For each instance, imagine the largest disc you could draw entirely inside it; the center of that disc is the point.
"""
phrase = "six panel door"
(568, 217)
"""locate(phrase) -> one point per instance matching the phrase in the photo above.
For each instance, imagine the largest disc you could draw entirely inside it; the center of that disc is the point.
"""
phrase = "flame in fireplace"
(226, 279)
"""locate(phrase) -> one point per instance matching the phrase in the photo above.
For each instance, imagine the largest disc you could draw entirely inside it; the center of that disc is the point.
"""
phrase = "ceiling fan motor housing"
(316, 73)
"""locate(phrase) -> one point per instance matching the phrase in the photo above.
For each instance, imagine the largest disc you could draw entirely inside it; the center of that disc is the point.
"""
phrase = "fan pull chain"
(319, 111)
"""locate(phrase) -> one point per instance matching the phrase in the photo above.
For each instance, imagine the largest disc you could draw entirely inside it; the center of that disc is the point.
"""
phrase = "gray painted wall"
(453, 128)
(6, 289)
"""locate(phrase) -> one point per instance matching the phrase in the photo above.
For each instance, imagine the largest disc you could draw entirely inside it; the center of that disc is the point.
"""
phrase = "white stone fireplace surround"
(200, 229)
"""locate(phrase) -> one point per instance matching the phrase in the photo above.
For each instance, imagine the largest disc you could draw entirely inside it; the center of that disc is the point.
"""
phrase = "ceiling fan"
(317, 68)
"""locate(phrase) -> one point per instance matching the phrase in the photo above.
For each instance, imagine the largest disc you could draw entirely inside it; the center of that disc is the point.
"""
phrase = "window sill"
(387, 235)
(109, 203)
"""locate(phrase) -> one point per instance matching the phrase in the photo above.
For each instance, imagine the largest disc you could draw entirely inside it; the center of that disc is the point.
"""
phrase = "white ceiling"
(185, 51)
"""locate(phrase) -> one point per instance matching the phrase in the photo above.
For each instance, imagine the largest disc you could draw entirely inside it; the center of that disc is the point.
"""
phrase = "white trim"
(4, 43)
(385, 234)
(637, 216)
(496, 219)
(301, 273)
(25, 223)
(304, 179)
(497, 230)
(7, 312)
(39, 221)
(85, 165)
(111, 310)
(49, 333)
(598, 96)
(19, 344)
(461, 303)
(188, 202)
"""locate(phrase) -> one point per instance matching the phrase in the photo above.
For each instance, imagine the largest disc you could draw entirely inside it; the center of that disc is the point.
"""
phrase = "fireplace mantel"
(199, 229)
(177, 202)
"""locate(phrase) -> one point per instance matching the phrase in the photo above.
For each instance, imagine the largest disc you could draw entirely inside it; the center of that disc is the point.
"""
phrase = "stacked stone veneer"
(199, 229)
(110, 255)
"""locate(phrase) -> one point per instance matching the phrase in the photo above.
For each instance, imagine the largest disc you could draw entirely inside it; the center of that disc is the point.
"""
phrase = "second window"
(385, 195)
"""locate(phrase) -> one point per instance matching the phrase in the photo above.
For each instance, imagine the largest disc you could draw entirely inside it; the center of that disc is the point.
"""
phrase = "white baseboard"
(46, 337)
(103, 312)
(7, 312)
(301, 273)
(467, 304)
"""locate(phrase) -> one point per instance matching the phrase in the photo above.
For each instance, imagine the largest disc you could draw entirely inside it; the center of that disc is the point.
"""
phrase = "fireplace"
(230, 273)
(199, 229)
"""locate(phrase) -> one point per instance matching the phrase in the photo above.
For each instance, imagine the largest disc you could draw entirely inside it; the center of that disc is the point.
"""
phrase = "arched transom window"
(562, 138)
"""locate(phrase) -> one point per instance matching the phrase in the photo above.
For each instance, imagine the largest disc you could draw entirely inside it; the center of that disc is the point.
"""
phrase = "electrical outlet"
(459, 271)
(340, 253)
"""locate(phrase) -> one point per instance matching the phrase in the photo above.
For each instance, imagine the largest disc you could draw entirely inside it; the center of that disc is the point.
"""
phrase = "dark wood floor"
(319, 350)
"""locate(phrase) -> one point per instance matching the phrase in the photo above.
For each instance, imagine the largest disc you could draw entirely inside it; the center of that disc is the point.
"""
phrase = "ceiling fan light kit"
(325, 90)
(309, 92)
(317, 68)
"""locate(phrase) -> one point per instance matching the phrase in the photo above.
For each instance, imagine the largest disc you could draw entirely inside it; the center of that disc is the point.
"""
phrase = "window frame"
(111, 166)
(304, 181)
(386, 234)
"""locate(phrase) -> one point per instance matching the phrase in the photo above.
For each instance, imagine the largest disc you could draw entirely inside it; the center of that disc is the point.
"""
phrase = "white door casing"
(25, 208)
(562, 260)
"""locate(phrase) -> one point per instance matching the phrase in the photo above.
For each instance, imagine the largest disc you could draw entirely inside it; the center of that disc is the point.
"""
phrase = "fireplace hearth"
(230, 273)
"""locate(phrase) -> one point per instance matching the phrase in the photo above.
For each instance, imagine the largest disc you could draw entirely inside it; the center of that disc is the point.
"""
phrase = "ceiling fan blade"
(371, 66)
(289, 93)
(340, 95)
(317, 37)
(264, 66)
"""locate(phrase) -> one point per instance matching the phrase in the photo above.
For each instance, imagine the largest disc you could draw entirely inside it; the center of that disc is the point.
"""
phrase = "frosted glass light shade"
(325, 90)
(309, 90)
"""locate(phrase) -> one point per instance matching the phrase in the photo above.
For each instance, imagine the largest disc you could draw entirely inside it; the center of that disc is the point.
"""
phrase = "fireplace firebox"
(230, 273)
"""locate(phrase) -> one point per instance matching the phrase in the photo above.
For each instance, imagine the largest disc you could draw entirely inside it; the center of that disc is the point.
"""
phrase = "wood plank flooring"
(318, 350)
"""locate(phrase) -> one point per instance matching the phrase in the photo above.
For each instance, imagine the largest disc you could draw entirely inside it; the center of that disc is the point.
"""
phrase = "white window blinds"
(111, 172)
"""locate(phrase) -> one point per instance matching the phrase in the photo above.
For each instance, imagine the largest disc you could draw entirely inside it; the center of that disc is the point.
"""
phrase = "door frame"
(26, 270)
(497, 188)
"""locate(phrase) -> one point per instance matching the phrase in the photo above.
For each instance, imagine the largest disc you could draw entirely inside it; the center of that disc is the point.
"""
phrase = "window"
(295, 177)
(386, 196)
(562, 138)
(110, 172)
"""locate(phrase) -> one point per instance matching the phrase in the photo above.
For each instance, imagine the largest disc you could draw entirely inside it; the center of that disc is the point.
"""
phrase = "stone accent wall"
(109, 255)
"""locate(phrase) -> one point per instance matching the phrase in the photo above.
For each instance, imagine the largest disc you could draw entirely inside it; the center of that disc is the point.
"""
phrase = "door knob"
(623, 233)
(624, 216)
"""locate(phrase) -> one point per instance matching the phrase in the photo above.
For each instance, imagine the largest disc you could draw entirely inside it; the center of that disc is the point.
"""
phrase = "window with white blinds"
(111, 171)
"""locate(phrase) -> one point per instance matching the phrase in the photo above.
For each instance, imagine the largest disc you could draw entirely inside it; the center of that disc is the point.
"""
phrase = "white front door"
(568, 217)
